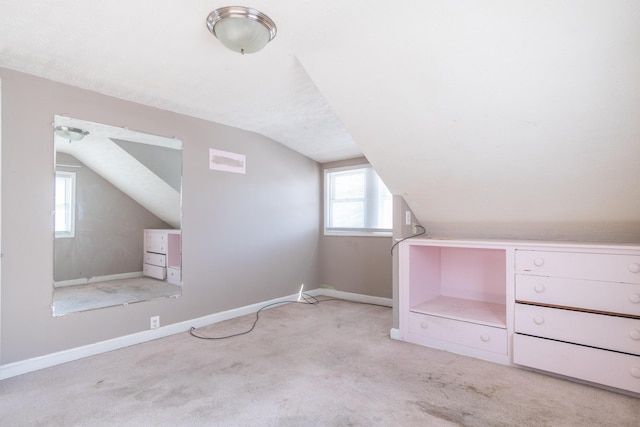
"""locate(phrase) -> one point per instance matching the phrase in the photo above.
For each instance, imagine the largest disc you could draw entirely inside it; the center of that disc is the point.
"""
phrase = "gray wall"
(109, 228)
(246, 238)
(361, 265)
(401, 231)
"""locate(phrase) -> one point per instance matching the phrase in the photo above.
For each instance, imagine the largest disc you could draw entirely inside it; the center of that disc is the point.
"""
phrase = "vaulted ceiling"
(499, 118)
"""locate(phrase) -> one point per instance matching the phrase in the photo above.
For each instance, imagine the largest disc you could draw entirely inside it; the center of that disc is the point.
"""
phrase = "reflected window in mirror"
(65, 195)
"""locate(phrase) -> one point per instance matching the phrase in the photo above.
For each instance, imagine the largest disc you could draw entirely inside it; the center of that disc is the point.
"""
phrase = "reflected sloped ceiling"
(106, 158)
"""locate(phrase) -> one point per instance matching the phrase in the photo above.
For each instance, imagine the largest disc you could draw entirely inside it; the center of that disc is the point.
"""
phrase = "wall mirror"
(116, 217)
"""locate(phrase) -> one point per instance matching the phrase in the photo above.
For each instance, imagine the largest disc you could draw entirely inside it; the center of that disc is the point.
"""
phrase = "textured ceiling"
(501, 118)
(160, 53)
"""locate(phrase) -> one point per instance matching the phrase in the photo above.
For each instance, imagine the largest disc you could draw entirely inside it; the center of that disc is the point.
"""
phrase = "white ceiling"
(160, 53)
(486, 112)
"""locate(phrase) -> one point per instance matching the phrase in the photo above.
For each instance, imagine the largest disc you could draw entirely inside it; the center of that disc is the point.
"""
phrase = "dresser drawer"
(155, 259)
(609, 297)
(600, 366)
(155, 242)
(154, 271)
(174, 275)
(591, 266)
(596, 330)
(482, 337)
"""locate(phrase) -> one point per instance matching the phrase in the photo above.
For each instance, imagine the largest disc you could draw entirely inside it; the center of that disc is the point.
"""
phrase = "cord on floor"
(306, 299)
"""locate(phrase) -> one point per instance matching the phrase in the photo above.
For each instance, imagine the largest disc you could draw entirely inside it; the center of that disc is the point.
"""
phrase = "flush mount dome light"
(241, 29)
(70, 134)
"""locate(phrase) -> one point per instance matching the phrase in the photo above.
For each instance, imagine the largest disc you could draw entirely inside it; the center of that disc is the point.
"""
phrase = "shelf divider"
(473, 311)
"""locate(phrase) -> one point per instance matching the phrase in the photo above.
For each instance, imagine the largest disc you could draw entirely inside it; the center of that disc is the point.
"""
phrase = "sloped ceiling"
(491, 118)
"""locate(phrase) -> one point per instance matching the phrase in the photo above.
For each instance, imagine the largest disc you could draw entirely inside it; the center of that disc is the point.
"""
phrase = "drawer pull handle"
(424, 325)
(634, 267)
(485, 338)
(538, 262)
(635, 372)
(539, 288)
(538, 320)
(634, 298)
(635, 335)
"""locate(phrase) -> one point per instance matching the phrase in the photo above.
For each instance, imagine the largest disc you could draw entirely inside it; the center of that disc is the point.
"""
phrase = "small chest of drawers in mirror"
(162, 255)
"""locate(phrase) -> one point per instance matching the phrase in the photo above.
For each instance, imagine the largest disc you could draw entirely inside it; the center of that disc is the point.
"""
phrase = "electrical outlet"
(407, 217)
(413, 228)
(154, 322)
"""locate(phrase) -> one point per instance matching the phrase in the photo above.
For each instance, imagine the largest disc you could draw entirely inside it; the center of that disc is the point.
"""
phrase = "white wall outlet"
(154, 322)
(407, 217)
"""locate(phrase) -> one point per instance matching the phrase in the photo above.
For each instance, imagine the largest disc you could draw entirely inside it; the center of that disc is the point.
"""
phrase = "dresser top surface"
(521, 244)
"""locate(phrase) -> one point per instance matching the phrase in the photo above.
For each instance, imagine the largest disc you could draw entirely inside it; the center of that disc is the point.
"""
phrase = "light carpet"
(331, 364)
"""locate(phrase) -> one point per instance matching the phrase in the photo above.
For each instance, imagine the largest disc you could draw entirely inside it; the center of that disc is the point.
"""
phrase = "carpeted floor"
(331, 364)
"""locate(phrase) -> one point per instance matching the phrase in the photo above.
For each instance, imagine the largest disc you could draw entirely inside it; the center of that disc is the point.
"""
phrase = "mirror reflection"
(117, 216)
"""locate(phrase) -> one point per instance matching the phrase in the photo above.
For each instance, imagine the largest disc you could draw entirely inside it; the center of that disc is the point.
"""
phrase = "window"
(356, 202)
(65, 204)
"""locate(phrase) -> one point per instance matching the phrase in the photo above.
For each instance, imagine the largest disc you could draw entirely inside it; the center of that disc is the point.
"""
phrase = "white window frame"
(68, 205)
(371, 200)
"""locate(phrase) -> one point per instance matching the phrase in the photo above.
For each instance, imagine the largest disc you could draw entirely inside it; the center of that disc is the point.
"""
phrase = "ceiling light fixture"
(70, 134)
(241, 29)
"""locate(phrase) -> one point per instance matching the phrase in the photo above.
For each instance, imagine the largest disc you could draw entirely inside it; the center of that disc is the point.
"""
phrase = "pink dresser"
(567, 308)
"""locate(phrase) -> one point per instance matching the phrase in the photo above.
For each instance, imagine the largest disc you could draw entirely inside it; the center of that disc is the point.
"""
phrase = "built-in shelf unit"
(572, 309)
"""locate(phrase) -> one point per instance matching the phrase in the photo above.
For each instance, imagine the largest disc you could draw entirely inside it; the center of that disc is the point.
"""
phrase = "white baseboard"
(395, 334)
(387, 302)
(29, 365)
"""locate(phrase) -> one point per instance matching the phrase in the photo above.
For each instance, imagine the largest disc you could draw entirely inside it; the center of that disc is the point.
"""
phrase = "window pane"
(60, 205)
(64, 204)
(385, 219)
(349, 185)
(348, 215)
(385, 206)
(357, 199)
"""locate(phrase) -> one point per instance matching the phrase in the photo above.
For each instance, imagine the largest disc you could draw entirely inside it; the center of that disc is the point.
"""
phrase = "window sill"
(64, 235)
(358, 233)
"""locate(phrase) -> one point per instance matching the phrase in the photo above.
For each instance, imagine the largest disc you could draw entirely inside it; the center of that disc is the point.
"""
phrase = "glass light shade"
(241, 29)
(70, 134)
(242, 35)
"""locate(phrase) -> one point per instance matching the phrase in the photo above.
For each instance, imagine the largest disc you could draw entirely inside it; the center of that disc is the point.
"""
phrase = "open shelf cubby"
(467, 284)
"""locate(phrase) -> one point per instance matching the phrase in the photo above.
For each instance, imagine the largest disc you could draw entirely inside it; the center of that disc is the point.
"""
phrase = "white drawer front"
(154, 271)
(600, 366)
(591, 295)
(159, 247)
(596, 330)
(591, 266)
(155, 259)
(155, 242)
(174, 275)
(464, 333)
